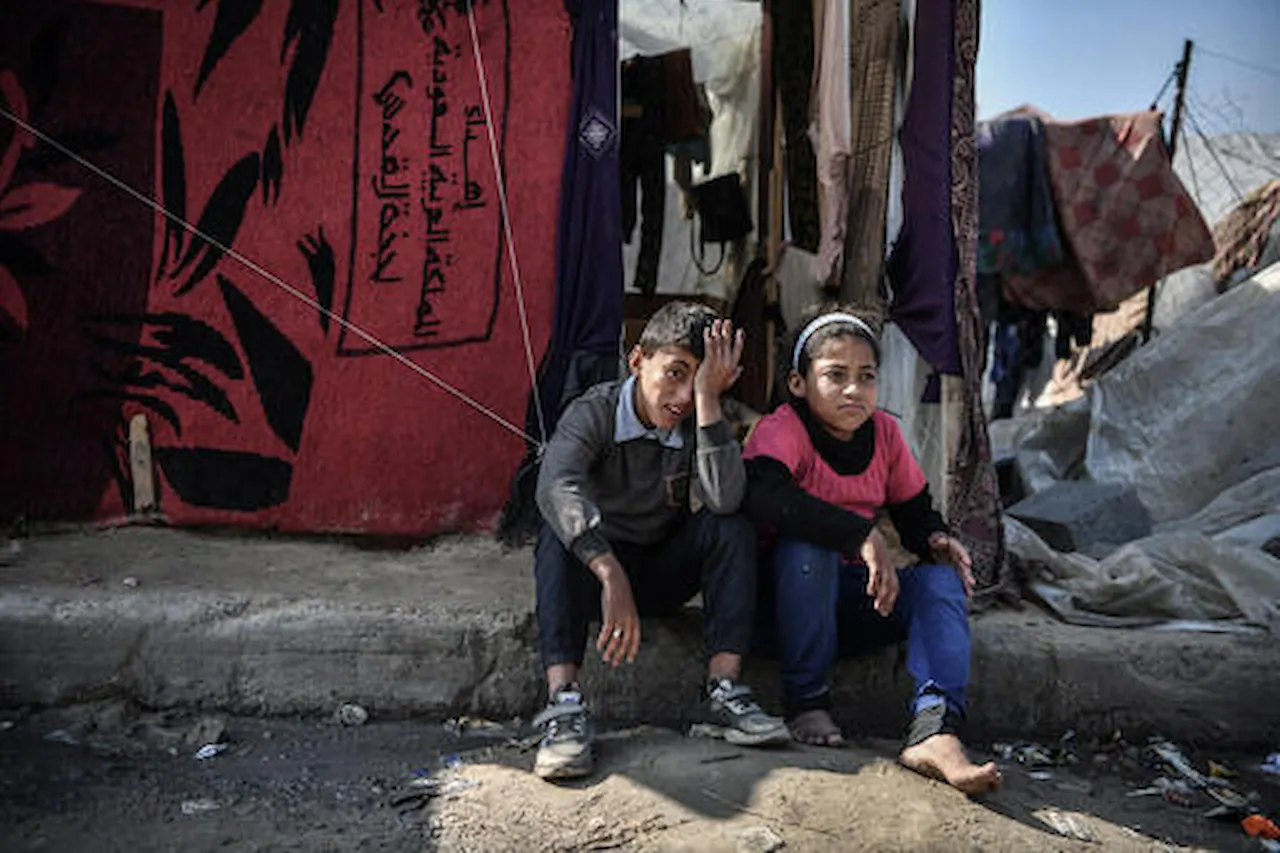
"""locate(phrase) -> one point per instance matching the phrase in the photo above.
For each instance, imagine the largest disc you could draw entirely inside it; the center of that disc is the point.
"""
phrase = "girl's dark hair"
(831, 331)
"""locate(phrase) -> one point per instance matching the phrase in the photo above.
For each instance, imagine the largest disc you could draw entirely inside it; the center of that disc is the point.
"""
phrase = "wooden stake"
(144, 478)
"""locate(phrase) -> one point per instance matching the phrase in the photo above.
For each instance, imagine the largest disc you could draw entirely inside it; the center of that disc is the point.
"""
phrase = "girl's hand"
(882, 574)
(948, 549)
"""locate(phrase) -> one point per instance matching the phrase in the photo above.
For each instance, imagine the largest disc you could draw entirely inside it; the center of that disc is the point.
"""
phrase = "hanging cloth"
(584, 346)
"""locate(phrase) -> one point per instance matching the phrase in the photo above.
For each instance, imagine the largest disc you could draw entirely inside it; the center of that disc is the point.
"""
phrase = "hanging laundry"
(793, 49)
(874, 51)
(583, 348)
(923, 263)
(829, 106)
(1017, 223)
(643, 163)
(1126, 217)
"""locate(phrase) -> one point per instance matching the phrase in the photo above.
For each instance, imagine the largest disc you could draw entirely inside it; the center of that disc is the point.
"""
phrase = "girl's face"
(840, 385)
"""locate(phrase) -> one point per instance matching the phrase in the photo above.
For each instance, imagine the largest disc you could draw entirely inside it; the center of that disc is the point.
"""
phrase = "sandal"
(816, 728)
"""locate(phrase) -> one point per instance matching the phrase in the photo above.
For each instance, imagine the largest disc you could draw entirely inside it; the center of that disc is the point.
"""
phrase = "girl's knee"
(795, 559)
(936, 581)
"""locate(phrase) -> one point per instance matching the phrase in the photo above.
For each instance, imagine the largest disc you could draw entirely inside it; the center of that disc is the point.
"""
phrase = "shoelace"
(561, 717)
(576, 724)
(737, 699)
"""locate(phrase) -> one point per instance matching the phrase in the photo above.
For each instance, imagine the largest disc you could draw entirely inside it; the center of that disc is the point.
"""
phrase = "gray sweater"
(594, 489)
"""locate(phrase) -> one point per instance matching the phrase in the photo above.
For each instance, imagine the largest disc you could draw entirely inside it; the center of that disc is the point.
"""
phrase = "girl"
(819, 468)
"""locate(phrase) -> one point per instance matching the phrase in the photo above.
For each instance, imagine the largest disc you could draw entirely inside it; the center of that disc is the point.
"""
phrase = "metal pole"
(1176, 131)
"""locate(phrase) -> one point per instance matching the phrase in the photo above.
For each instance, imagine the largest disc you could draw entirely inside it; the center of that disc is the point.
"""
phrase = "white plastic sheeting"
(1191, 421)
(1196, 411)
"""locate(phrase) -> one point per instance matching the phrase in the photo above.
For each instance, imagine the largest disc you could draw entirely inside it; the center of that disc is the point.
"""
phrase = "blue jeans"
(822, 610)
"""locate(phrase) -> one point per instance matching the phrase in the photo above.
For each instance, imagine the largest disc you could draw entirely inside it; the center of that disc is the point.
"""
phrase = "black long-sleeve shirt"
(777, 500)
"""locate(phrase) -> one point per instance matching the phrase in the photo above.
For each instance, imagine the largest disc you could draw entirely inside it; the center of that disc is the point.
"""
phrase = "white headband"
(825, 320)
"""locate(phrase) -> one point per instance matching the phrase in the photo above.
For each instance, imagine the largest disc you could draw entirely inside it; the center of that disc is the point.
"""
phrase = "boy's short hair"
(677, 324)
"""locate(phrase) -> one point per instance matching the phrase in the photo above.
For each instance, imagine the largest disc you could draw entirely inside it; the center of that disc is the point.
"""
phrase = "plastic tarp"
(1196, 411)
(1190, 421)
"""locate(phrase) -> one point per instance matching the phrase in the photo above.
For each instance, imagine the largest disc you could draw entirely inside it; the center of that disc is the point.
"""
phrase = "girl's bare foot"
(816, 728)
(942, 757)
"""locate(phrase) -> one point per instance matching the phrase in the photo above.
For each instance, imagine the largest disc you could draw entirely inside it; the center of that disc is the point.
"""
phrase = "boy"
(620, 539)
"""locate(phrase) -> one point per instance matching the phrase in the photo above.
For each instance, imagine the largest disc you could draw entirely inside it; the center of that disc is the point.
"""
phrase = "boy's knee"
(735, 529)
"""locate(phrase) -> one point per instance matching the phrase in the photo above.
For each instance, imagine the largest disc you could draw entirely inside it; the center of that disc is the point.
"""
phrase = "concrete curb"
(448, 630)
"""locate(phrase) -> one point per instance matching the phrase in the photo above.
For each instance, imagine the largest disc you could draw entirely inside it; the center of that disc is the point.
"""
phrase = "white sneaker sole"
(737, 737)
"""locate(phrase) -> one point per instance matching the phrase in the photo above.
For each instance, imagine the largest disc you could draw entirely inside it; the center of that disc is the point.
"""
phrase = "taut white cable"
(506, 220)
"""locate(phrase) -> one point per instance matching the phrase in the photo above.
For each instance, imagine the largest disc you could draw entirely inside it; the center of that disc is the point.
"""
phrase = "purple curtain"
(922, 264)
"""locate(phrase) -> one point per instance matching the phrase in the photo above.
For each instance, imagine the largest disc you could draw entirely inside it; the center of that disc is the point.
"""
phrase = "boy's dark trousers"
(704, 552)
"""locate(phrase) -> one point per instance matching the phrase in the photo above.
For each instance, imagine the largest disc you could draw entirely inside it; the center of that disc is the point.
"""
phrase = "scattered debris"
(209, 750)
(1272, 765)
(1040, 775)
(759, 839)
(1066, 825)
(1259, 826)
(1221, 771)
(130, 582)
(351, 714)
(1175, 791)
(200, 806)
(1183, 782)
(476, 726)
(1036, 755)
(424, 788)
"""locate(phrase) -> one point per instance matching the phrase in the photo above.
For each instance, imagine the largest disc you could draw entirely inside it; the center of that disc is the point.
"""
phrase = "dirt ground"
(110, 777)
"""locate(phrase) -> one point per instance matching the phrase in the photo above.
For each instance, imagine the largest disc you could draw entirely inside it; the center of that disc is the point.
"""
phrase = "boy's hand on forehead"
(722, 352)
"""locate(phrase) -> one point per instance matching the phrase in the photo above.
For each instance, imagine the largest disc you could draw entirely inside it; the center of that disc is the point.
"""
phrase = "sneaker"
(732, 714)
(567, 749)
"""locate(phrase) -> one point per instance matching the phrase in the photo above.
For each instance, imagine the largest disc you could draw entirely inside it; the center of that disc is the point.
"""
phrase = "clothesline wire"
(1164, 88)
(1243, 63)
(1213, 150)
(1270, 168)
(1191, 166)
(269, 276)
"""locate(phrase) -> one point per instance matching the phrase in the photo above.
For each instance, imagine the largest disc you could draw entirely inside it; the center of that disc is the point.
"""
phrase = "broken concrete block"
(1073, 515)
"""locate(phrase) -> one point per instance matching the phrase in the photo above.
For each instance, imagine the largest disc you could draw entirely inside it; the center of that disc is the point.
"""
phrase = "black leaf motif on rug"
(221, 219)
(272, 167)
(280, 372)
(179, 337)
(232, 19)
(319, 255)
(174, 184)
(225, 479)
(310, 25)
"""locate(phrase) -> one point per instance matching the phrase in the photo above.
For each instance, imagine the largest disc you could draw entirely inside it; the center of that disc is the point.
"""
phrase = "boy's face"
(664, 385)
(840, 385)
